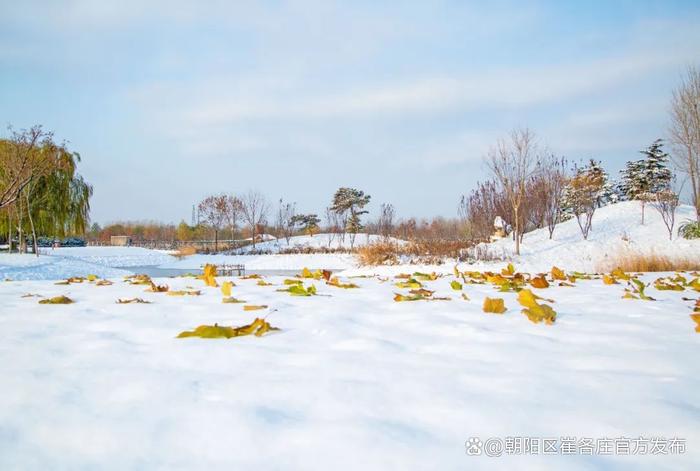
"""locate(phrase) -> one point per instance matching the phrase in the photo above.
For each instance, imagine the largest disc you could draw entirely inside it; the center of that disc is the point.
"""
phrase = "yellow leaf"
(57, 300)
(103, 283)
(306, 273)
(232, 300)
(456, 285)
(262, 282)
(411, 283)
(494, 305)
(253, 307)
(336, 282)
(157, 289)
(695, 284)
(91, 277)
(209, 275)
(696, 318)
(619, 273)
(558, 274)
(539, 313)
(402, 297)
(465, 297)
(258, 328)
(226, 288)
(609, 280)
(509, 270)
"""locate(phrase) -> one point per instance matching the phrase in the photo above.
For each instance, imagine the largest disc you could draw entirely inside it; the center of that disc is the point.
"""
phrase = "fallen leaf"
(558, 274)
(258, 328)
(494, 305)
(253, 307)
(133, 301)
(539, 282)
(232, 300)
(226, 288)
(57, 300)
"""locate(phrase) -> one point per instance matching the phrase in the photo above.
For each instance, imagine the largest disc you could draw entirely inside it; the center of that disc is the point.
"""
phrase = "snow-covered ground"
(267, 262)
(103, 261)
(318, 241)
(616, 229)
(354, 380)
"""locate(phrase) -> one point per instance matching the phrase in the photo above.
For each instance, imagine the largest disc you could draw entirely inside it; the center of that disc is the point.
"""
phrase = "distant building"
(121, 240)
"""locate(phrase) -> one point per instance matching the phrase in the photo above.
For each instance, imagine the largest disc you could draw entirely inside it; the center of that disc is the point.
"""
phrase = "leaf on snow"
(534, 311)
(133, 301)
(258, 328)
(226, 288)
(231, 300)
(558, 274)
(539, 282)
(494, 305)
(57, 300)
(254, 307)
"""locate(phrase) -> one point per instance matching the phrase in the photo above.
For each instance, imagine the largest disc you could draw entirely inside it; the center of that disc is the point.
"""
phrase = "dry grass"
(434, 252)
(649, 262)
(185, 251)
(380, 253)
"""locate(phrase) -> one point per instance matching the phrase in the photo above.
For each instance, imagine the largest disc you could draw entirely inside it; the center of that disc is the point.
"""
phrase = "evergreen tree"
(348, 203)
(643, 179)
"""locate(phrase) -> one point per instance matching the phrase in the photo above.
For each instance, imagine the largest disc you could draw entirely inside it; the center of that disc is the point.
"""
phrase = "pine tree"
(643, 179)
(348, 203)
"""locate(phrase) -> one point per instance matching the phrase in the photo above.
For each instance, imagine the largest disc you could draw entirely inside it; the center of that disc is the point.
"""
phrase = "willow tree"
(51, 198)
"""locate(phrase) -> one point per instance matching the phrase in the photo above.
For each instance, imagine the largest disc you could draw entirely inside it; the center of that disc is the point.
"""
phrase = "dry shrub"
(648, 262)
(432, 252)
(185, 251)
(380, 253)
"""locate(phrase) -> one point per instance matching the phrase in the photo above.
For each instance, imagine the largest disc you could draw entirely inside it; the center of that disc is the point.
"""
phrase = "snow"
(103, 261)
(353, 380)
(54, 264)
(318, 241)
(267, 262)
(616, 229)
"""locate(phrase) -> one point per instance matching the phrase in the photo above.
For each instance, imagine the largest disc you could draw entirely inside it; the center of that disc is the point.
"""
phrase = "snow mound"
(616, 229)
(319, 241)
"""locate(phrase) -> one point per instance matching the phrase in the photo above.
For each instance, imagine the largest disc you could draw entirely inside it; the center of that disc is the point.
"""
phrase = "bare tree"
(28, 155)
(232, 213)
(666, 202)
(255, 209)
(385, 224)
(685, 131)
(214, 211)
(582, 194)
(333, 225)
(285, 220)
(554, 178)
(512, 162)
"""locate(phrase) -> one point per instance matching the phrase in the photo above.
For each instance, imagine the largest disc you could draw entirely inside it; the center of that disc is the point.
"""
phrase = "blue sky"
(168, 101)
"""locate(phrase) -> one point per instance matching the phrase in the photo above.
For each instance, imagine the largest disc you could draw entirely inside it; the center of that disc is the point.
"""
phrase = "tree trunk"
(216, 241)
(31, 224)
(517, 232)
(20, 242)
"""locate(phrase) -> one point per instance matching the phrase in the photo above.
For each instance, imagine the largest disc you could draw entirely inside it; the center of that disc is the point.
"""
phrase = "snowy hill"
(318, 241)
(616, 229)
